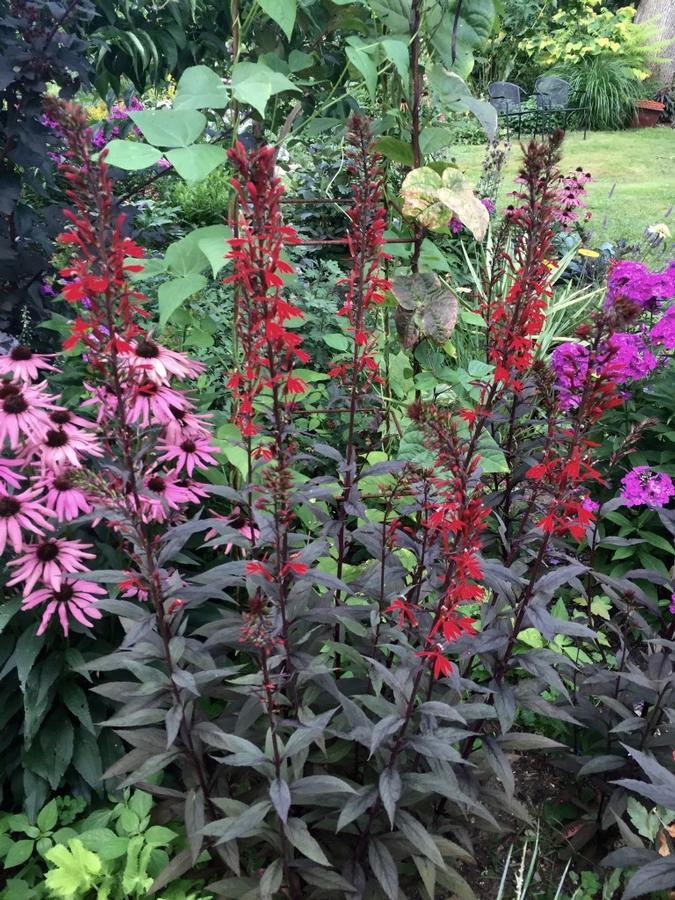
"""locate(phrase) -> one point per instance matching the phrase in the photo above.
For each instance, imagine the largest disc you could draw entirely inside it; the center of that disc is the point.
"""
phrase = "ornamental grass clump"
(326, 665)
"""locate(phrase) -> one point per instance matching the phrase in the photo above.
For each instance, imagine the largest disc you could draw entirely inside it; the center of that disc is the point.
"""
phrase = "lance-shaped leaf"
(434, 199)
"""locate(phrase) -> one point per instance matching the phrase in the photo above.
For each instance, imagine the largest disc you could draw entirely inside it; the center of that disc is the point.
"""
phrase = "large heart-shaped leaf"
(427, 308)
(194, 163)
(132, 155)
(434, 199)
(454, 94)
(170, 127)
(283, 12)
(200, 88)
(255, 83)
(173, 293)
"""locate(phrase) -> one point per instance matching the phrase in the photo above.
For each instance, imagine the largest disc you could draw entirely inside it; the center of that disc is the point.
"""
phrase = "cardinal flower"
(442, 665)
(48, 561)
(73, 598)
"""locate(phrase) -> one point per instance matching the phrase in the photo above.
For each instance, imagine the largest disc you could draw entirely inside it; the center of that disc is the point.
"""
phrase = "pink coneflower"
(6, 474)
(64, 447)
(162, 493)
(19, 511)
(193, 451)
(24, 365)
(64, 418)
(195, 489)
(184, 423)
(75, 598)
(64, 497)
(152, 404)
(159, 363)
(48, 561)
(22, 413)
(103, 397)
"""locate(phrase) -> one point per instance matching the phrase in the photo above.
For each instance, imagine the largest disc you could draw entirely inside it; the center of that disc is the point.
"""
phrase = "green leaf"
(390, 788)
(8, 610)
(48, 816)
(196, 162)
(87, 758)
(132, 155)
(433, 139)
(298, 834)
(255, 83)
(396, 50)
(169, 127)
(459, 29)
(26, 652)
(18, 853)
(431, 258)
(396, 150)
(173, 293)
(384, 868)
(158, 836)
(76, 701)
(105, 843)
(76, 870)
(336, 341)
(215, 247)
(434, 199)
(299, 61)
(200, 88)
(283, 12)
(363, 63)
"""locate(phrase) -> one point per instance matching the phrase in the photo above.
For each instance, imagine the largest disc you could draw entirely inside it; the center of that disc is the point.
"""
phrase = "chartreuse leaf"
(433, 199)
(196, 162)
(169, 127)
(283, 12)
(173, 293)
(132, 155)
(76, 870)
(255, 83)
(200, 88)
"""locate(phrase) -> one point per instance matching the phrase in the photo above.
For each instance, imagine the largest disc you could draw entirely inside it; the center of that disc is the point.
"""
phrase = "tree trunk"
(661, 14)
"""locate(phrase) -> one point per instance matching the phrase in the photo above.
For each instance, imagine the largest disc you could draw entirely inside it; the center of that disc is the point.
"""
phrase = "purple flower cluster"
(629, 280)
(644, 487)
(569, 361)
(664, 331)
(629, 357)
(107, 130)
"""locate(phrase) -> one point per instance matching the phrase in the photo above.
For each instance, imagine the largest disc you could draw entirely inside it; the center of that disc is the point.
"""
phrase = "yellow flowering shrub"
(588, 29)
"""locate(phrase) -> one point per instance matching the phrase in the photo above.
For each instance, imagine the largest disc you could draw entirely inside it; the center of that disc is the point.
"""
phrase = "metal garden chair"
(556, 99)
(507, 98)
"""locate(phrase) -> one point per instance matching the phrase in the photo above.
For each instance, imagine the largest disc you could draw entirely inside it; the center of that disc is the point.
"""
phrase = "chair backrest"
(552, 92)
(504, 96)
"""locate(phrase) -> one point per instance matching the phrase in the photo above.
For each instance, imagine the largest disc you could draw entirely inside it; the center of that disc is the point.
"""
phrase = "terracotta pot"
(647, 113)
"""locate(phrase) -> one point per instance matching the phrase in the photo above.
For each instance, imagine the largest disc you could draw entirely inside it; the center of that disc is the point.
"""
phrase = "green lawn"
(640, 163)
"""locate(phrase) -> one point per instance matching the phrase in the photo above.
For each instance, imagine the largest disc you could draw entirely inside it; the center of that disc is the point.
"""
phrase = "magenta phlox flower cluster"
(107, 131)
(569, 362)
(644, 487)
(50, 456)
(663, 333)
(629, 358)
(630, 280)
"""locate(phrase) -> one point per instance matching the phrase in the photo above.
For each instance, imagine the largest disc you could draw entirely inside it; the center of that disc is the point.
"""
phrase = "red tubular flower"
(514, 323)
(270, 349)
(368, 219)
